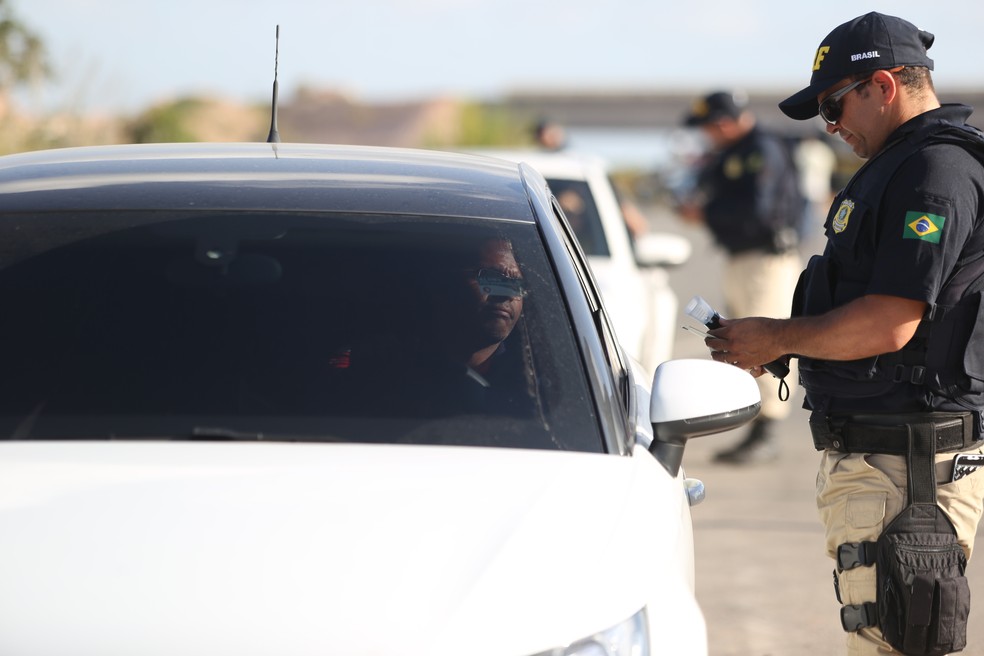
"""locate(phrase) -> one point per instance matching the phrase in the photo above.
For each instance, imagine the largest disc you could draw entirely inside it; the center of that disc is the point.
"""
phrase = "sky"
(121, 56)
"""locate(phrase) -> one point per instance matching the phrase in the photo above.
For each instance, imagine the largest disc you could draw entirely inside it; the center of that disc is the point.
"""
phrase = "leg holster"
(923, 599)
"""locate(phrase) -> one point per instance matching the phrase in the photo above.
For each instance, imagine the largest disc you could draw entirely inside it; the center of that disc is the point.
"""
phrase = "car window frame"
(613, 351)
(595, 227)
(603, 357)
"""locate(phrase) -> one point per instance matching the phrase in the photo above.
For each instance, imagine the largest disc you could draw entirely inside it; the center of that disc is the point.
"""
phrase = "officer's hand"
(745, 343)
(690, 212)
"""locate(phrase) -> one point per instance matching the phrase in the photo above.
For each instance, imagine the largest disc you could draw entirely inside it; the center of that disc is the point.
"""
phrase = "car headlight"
(628, 638)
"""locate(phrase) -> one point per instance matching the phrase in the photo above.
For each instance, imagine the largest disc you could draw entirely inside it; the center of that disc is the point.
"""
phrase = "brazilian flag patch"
(920, 225)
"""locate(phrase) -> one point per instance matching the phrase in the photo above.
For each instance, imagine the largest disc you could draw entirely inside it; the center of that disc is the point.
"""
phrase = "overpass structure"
(667, 109)
(330, 117)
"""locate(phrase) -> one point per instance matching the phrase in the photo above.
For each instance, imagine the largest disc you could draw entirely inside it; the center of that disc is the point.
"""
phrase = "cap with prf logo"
(715, 106)
(867, 43)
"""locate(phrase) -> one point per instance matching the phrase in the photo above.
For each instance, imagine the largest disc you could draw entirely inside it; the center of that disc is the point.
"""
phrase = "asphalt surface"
(763, 579)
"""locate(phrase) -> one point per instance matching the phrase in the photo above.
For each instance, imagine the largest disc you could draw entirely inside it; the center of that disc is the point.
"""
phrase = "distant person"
(550, 135)
(747, 194)
(816, 162)
(635, 220)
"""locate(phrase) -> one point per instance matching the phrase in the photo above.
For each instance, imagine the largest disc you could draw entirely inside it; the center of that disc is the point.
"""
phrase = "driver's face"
(496, 309)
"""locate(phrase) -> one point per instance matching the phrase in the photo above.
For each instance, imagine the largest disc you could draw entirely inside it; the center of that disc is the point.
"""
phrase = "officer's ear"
(885, 84)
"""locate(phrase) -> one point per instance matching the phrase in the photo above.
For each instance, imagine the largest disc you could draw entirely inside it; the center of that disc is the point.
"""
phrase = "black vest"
(942, 366)
(754, 197)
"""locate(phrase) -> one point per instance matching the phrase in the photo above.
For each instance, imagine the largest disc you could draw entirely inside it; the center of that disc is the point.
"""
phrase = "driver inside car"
(467, 354)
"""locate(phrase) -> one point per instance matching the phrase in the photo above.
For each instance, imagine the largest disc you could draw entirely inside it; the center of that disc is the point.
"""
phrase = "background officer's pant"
(858, 496)
(761, 284)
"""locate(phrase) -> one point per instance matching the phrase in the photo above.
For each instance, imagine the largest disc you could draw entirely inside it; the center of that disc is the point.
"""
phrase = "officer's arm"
(867, 326)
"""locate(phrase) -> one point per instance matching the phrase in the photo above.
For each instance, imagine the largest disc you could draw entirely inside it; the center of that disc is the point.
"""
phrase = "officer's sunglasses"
(831, 108)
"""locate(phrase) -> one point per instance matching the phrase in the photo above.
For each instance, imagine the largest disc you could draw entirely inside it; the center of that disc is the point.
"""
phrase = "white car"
(304, 400)
(632, 272)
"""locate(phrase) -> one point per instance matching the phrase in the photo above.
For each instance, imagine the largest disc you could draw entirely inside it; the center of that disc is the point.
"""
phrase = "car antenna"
(274, 136)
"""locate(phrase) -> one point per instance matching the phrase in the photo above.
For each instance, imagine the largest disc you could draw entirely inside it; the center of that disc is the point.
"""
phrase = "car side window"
(578, 205)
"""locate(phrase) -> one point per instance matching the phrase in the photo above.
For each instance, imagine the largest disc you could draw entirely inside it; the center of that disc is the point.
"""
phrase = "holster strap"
(855, 617)
(920, 615)
(855, 554)
(889, 434)
(920, 465)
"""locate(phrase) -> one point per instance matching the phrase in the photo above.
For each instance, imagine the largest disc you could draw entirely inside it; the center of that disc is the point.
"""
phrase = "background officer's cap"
(720, 104)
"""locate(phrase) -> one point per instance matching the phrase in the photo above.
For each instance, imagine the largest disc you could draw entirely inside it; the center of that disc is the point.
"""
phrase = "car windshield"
(581, 211)
(286, 326)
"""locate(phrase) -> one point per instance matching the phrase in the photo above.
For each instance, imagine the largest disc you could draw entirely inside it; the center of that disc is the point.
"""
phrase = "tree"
(23, 57)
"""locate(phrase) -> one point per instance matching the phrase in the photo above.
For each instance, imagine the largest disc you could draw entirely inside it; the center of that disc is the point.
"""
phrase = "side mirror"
(691, 398)
(661, 249)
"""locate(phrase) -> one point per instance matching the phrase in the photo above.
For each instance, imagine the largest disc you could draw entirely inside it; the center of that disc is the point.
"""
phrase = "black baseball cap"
(713, 106)
(867, 43)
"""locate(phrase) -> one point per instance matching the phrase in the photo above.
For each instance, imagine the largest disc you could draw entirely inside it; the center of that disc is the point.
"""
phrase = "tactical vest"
(937, 360)
(746, 214)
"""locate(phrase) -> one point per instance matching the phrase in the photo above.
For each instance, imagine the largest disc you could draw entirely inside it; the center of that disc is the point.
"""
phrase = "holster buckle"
(855, 617)
(855, 554)
(915, 374)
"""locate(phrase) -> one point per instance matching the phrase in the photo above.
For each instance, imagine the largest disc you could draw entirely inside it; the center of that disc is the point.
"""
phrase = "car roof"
(565, 164)
(265, 176)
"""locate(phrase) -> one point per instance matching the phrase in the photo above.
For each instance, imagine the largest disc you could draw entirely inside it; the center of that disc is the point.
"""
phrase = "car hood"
(259, 548)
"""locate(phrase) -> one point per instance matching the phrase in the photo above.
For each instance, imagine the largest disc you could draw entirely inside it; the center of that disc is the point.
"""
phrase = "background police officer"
(747, 194)
(888, 321)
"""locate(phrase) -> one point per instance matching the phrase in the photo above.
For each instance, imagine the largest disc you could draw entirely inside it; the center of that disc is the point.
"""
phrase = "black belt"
(889, 434)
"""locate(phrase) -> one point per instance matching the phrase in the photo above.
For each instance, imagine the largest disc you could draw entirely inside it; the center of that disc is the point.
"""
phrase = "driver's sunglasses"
(495, 283)
(831, 108)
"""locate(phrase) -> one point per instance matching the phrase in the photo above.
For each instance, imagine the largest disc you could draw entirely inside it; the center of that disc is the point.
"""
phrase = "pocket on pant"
(865, 510)
(963, 502)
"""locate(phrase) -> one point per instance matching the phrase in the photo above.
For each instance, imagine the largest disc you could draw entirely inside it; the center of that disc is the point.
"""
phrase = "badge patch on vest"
(839, 223)
(924, 226)
(733, 168)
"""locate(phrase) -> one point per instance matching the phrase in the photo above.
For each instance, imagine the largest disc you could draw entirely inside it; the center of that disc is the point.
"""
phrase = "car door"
(601, 352)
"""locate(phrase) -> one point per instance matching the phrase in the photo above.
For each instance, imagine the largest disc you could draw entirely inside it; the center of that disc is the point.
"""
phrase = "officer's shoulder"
(940, 166)
(952, 138)
(951, 153)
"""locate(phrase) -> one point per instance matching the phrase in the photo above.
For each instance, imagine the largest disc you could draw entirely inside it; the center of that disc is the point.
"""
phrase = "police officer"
(747, 194)
(888, 323)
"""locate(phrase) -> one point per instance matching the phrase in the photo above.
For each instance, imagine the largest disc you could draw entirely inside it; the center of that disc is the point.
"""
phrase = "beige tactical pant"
(858, 495)
(761, 285)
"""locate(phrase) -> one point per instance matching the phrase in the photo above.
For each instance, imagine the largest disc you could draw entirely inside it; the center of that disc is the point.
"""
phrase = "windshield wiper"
(223, 434)
(220, 433)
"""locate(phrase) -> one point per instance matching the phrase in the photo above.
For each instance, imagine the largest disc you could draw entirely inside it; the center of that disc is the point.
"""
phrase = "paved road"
(763, 578)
